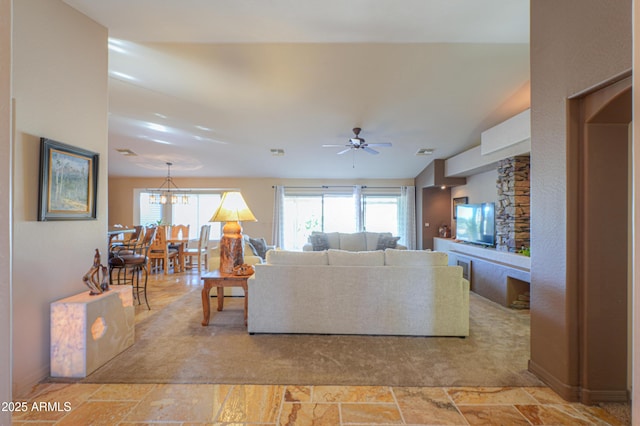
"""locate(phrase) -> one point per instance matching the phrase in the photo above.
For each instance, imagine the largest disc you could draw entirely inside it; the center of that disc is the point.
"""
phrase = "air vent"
(127, 152)
(277, 152)
(425, 151)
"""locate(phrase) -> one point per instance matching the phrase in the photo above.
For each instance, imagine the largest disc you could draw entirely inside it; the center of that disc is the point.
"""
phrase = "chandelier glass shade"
(168, 192)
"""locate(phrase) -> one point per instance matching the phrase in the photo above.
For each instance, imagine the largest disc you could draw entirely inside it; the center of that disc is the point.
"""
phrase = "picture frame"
(68, 182)
(457, 201)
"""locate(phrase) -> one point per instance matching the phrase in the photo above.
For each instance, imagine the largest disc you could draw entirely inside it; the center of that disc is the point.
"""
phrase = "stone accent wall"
(513, 207)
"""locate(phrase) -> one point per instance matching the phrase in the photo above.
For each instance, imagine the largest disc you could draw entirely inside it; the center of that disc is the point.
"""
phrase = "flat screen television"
(475, 223)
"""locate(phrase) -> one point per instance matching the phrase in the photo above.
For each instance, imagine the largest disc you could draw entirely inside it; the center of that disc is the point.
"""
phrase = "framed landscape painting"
(68, 182)
(456, 202)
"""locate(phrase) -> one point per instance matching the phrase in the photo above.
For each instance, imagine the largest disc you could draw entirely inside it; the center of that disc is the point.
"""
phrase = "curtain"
(407, 217)
(278, 216)
(357, 199)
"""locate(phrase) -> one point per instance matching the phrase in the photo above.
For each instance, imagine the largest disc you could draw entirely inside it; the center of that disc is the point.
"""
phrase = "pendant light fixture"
(168, 192)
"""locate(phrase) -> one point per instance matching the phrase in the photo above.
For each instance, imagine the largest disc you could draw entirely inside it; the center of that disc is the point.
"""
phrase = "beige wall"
(575, 44)
(480, 188)
(257, 192)
(60, 90)
(5, 207)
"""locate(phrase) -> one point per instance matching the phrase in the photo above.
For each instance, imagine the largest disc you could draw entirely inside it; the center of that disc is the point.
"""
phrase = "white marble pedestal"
(87, 331)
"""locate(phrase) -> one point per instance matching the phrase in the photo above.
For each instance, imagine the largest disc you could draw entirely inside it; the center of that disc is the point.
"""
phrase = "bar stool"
(133, 258)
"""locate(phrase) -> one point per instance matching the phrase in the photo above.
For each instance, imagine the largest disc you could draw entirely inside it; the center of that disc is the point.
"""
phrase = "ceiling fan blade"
(345, 150)
(380, 144)
(369, 150)
(333, 146)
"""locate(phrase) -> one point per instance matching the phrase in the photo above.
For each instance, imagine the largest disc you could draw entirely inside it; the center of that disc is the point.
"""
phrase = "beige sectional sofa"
(391, 292)
(356, 241)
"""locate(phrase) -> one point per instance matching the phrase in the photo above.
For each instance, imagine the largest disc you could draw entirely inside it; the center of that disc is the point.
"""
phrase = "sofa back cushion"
(353, 242)
(334, 239)
(393, 257)
(355, 258)
(372, 239)
(284, 257)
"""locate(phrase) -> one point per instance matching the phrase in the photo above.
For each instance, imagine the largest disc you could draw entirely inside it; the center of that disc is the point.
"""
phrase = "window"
(381, 213)
(195, 214)
(338, 210)
(150, 214)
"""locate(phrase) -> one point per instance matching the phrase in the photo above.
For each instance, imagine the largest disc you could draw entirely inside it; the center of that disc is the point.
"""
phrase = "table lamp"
(232, 210)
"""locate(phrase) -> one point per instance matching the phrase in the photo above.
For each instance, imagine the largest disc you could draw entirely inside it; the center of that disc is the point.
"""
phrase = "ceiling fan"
(357, 142)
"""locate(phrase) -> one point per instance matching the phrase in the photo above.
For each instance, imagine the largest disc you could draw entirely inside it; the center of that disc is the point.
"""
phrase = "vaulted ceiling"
(214, 85)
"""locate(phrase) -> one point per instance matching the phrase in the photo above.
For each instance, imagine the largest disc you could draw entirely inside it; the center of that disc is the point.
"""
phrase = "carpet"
(173, 347)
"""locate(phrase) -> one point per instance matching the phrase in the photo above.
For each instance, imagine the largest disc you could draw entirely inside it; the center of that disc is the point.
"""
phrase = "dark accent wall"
(575, 45)
(432, 178)
(600, 204)
(436, 211)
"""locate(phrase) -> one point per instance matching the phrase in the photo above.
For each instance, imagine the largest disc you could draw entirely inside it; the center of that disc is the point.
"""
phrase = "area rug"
(173, 347)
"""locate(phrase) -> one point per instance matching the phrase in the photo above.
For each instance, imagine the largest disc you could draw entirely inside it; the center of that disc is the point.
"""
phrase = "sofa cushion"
(285, 257)
(372, 239)
(319, 241)
(387, 241)
(393, 257)
(355, 258)
(353, 242)
(334, 239)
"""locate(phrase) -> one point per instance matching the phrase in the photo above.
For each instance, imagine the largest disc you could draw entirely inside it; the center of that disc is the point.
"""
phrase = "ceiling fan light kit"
(357, 142)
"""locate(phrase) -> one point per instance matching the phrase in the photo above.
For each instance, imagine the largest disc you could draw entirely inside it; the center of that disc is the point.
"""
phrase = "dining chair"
(133, 257)
(179, 231)
(202, 251)
(160, 250)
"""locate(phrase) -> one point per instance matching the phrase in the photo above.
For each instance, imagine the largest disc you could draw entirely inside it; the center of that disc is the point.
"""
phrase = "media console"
(499, 276)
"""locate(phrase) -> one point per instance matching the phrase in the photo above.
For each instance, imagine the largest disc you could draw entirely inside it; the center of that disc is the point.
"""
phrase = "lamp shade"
(232, 208)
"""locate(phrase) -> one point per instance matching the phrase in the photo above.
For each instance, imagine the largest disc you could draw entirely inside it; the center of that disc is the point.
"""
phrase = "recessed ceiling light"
(127, 152)
(425, 151)
(157, 114)
(206, 129)
(277, 152)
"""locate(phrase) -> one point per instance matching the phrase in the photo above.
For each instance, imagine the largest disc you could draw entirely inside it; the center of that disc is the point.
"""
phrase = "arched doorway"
(599, 238)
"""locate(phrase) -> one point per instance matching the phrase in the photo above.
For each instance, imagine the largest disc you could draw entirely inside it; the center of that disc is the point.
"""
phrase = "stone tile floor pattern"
(212, 404)
(190, 404)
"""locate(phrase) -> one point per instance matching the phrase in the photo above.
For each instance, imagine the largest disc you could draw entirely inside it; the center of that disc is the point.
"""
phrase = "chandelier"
(168, 192)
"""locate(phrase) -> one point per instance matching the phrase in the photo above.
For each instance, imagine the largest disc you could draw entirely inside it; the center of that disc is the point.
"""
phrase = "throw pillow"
(249, 249)
(260, 245)
(387, 241)
(319, 241)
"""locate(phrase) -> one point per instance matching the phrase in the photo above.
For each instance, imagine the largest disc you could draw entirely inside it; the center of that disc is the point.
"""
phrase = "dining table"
(114, 233)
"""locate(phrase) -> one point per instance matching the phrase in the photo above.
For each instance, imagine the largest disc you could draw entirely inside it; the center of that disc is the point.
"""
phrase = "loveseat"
(390, 292)
(356, 241)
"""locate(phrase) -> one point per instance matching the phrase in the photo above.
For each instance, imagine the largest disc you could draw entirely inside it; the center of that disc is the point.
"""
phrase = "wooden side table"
(220, 281)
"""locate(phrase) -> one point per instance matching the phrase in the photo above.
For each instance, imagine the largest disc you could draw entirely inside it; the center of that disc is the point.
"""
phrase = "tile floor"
(189, 404)
(212, 404)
